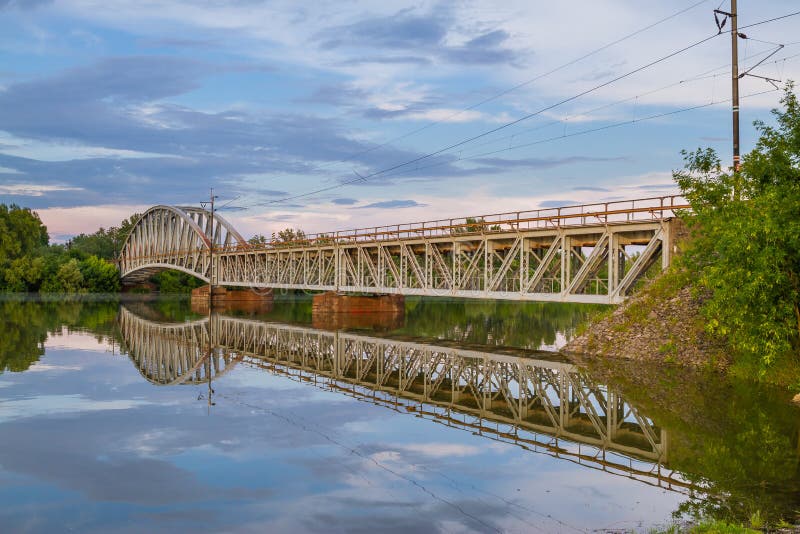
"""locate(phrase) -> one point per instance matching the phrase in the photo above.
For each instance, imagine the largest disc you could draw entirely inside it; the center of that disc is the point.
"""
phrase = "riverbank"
(661, 324)
(664, 324)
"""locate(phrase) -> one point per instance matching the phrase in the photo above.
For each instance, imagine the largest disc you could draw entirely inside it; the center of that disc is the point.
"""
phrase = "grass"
(720, 527)
(708, 526)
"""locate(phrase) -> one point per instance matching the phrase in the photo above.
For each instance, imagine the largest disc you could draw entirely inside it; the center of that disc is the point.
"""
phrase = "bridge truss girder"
(591, 264)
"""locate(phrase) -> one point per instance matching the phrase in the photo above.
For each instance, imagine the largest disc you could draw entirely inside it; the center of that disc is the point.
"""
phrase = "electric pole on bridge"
(211, 272)
(734, 85)
(732, 15)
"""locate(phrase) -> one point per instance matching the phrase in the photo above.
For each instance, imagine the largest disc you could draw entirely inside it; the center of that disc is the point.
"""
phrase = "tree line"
(29, 263)
(744, 253)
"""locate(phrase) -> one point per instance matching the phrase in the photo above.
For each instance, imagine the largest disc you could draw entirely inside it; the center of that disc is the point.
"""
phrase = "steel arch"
(170, 237)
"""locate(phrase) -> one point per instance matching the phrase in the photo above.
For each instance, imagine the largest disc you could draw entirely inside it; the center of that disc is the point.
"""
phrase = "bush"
(746, 240)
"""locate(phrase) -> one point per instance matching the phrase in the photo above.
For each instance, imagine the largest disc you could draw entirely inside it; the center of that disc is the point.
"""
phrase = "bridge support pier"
(223, 299)
(333, 302)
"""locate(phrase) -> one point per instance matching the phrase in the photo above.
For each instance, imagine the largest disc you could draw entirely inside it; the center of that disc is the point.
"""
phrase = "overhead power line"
(711, 73)
(588, 131)
(502, 93)
(498, 128)
(521, 119)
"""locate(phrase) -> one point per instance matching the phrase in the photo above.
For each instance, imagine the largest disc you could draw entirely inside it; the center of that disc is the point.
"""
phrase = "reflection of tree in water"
(172, 308)
(526, 325)
(26, 323)
(738, 438)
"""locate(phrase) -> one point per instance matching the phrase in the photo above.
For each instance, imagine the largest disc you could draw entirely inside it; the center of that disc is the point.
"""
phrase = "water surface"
(149, 415)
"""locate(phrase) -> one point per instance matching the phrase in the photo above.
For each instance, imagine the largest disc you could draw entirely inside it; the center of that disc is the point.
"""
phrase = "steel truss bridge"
(590, 253)
(544, 406)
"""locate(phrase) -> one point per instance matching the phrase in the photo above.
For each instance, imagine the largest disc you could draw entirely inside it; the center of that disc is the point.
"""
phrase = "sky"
(307, 114)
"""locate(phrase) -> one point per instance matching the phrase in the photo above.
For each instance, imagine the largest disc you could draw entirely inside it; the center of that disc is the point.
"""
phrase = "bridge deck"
(590, 253)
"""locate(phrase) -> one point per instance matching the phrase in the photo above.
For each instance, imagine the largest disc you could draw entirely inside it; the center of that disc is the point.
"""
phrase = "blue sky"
(107, 108)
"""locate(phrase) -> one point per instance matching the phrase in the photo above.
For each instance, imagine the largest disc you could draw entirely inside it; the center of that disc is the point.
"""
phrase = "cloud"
(33, 190)
(387, 60)
(23, 4)
(156, 151)
(344, 201)
(482, 50)
(424, 35)
(543, 163)
(557, 203)
(402, 30)
(336, 95)
(392, 204)
(442, 115)
(589, 188)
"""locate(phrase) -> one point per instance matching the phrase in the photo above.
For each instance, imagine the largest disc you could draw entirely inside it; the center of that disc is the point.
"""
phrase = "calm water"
(150, 416)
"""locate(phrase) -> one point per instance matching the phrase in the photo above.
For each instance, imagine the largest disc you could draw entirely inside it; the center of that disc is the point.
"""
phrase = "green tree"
(99, 276)
(104, 244)
(21, 232)
(175, 282)
(746, 240)
(288, 236)
(66, 279)
(258, 240)
(24, 274)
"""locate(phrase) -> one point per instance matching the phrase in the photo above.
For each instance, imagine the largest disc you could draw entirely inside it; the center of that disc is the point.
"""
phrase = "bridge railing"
(645, 209)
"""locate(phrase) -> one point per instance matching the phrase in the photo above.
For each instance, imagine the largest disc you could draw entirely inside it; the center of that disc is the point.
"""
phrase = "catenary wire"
(506, 125)
(505, 91)
(496, 129)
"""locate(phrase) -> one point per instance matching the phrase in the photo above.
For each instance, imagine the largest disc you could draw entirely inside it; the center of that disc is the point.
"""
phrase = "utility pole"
(735, 84)
(212, 271)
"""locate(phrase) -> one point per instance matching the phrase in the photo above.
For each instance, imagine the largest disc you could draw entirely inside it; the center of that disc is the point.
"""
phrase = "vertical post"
(735, 86)
(211, 270)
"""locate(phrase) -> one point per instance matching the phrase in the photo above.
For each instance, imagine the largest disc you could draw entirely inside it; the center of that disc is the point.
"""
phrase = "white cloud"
(63, 151)
(34, 190)
(441, 450)
(61, 404)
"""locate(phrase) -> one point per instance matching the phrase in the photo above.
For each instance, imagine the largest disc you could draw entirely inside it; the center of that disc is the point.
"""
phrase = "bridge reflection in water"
(545, 406)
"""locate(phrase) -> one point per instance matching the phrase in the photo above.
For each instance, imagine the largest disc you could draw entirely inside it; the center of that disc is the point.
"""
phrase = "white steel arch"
(174, 237)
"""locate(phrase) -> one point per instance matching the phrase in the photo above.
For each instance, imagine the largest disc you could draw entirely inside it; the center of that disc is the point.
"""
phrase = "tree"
(99, 276)
(258, 240)
(21, 232)
(746, 240)
(104, 244)
(288, 236)
(24, 274)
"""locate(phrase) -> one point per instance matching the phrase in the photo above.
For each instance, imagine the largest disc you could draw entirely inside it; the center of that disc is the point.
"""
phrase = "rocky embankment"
(660, 324)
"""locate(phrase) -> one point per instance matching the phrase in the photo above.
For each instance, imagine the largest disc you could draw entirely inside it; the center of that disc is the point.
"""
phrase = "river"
(146, 414)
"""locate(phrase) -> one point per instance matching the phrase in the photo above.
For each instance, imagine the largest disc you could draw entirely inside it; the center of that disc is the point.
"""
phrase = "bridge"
(594, 253)
(545, 406)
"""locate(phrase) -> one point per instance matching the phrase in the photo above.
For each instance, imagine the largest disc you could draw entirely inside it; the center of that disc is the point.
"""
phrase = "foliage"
(720, 527)
(99, 276)
(29, 264)
(258, 240)
(473, 225)
(104, 243)
(175, 282)
(746, 240)
(26, 324)
(21, 232)
(288, 235)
